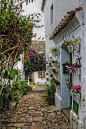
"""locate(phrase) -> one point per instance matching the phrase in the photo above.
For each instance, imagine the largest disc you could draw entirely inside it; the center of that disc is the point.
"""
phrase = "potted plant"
(47, 79)
(77, 93)
(71, 42)
(50, 65)
(51, 75)
(55, 51)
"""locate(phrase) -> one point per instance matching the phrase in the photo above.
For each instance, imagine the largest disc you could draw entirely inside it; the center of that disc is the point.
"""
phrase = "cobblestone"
(33, 112)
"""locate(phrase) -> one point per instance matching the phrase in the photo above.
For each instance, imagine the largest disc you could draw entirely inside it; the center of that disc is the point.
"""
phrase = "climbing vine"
(33, 61)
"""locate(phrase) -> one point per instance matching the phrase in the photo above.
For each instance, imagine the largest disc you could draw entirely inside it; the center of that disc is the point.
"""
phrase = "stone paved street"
(33, 112)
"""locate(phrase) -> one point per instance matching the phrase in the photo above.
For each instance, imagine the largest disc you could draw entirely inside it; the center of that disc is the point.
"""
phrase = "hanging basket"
(76, 97)
(70, 48)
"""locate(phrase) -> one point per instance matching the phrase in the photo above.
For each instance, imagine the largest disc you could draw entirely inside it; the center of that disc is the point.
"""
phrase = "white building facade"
(62, 24)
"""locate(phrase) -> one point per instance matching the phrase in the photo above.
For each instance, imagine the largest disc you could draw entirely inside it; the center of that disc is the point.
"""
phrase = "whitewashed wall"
(20, 65)
(39, 80)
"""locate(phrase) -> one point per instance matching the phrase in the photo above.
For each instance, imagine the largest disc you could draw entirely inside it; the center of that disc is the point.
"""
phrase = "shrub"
(49, 94)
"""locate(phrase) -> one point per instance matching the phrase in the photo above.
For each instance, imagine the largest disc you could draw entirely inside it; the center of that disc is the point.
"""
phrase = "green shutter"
(70, 101)
(75, 106)
(65, 70)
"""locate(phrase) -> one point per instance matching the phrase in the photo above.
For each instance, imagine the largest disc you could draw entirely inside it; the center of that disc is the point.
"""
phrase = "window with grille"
(41, 74)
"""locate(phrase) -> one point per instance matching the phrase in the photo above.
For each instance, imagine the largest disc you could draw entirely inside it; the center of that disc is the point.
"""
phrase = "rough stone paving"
(33, 112)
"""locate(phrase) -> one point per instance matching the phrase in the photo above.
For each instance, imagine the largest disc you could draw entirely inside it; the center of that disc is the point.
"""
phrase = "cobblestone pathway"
(33, 112)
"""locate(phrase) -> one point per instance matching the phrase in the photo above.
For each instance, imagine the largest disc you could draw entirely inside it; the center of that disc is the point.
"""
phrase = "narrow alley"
(33, 112)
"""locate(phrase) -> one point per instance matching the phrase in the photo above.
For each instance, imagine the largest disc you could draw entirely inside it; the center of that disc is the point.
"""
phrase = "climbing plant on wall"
(33, 61)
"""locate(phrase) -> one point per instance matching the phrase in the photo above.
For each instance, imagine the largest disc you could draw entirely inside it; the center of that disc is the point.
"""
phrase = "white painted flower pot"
(53, 54)
(70, 48)
(58, 86)
(70, 91)
(76, 97)
(78, 71)
(57, 53)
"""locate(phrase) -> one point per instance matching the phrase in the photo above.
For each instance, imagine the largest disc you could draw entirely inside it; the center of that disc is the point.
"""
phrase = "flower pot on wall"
(57, 64)
(53, 54)
(57, 53)
(58, 87)
(78, 71)
(76, 97)
(70, 48)
(70, 91)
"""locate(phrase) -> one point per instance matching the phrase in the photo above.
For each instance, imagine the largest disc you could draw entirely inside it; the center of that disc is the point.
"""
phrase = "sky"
(35, 7)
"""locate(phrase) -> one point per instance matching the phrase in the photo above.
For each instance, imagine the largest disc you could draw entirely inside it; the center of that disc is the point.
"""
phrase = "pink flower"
(79, 86)
(28, 57)
(30, 21)
(72, 83)
(76, 87)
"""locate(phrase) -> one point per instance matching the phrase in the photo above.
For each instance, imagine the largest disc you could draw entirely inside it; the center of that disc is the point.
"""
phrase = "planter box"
(76, 97)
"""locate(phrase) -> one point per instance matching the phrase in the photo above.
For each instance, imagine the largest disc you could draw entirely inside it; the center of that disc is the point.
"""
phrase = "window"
(41, 74)
(51, 13)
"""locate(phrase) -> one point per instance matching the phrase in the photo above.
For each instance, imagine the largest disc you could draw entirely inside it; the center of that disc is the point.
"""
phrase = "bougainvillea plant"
(16, 31)
(33, 61)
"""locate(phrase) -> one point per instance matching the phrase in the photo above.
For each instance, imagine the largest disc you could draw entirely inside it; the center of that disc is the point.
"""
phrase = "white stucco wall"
(39, 80)
(60, 9)
(20, 65)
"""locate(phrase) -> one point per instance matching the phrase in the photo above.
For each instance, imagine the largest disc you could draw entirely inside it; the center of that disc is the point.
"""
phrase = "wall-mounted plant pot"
(51, 75)
(58, 76)
(70, 91)
(53, 54)
(70, 48)
(77, 97)
(57, 53)
(78, 71)
(47, 73)
(50, 68)
(58, 86)
(57, 64)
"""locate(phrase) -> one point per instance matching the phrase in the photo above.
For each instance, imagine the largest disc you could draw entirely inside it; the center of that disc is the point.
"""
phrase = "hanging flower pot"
(58, 86)
(47, 79)
(76, 97)
(51, 75)
(57, 53)
(71, 91)
(57, 64)
(70, 48)
(53, 54)
(78, 71)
